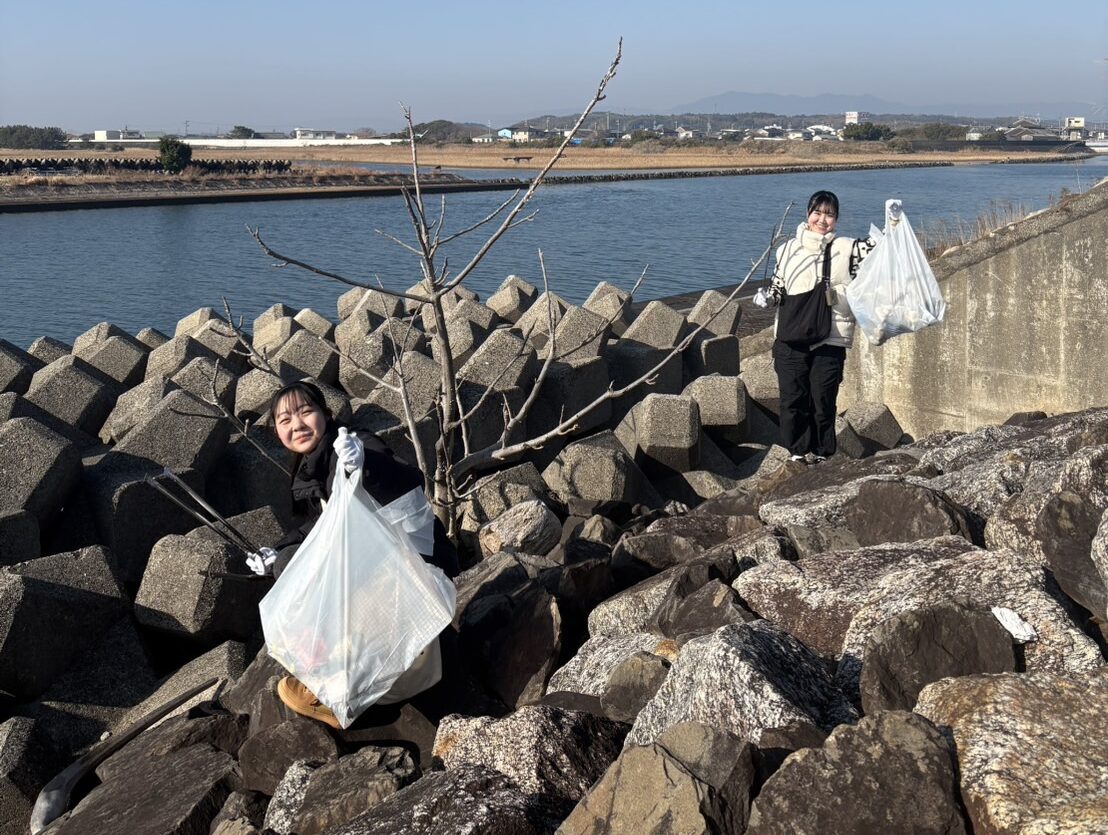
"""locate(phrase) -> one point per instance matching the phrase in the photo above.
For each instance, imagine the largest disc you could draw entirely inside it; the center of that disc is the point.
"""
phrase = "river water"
(62, 272)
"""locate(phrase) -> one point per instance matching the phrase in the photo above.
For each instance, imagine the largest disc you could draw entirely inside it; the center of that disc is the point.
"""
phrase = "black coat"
(384, 477)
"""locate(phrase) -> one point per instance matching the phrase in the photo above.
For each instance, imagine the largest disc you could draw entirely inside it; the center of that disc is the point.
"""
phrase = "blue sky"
(277, 64)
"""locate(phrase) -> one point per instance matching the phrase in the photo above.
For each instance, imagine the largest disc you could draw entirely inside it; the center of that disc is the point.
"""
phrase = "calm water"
(62, 272)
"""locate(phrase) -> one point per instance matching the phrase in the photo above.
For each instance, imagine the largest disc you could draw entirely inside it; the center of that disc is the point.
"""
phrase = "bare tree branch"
(610, 320)
(487, 219)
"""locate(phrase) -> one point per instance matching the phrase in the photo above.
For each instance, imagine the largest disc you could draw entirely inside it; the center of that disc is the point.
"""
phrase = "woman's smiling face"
(300, 423)
(822, 219)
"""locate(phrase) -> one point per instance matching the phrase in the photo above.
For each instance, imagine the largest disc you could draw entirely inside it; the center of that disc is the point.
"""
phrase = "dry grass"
(941, 235)
(644, 156)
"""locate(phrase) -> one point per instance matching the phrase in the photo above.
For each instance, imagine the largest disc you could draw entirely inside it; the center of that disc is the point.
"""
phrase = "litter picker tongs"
(217, 523)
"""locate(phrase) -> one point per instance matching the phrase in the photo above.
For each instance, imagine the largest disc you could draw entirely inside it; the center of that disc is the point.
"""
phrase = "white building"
(857, 117)
(311, 133)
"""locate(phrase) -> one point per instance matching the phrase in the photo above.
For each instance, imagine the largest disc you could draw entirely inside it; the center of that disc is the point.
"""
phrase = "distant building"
(312, 133)
(485, 139)
(1024, 134)
(1074, 129)
(529, 134)
(684, 133)
(504, 134)
(857, 117)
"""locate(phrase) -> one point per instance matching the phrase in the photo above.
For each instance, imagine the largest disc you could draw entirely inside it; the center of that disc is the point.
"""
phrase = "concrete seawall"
(1025, 328)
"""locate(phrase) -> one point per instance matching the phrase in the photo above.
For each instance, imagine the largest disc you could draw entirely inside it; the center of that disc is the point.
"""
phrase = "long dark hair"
(823, 198)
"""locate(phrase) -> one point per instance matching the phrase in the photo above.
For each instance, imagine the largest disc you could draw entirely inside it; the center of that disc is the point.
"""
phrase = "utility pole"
(186, 127)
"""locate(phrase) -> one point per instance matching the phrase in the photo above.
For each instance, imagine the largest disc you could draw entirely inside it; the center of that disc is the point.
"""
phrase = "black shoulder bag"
(805, 318)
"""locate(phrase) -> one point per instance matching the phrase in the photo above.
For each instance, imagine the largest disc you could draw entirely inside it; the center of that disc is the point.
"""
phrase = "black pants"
(809, 383)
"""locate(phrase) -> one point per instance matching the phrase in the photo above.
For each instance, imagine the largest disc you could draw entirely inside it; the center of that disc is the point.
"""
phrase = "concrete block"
(270, 315)
(166, 360)
(310, 356)
(87, 341)
(152, 338)
(483, 316)
(422, 378)
(722, 403)
(355, 328)
(512, 298)
(371, 417)
(580, 335)
(711, 355)
(597, 469)
(847, 441)
(74, 392)
(181, 433)
(449, 301)
(269, 338)
(13, 406)
(132, 406)
(397, 438)
(761, 382)
(534, 324)
(875, 424)
(613, 304)
(129, 514)
(668, 431)
(46, 349)
(722, 316)
(23, 772)
(494, 494)
(220, 338)
(315, 322)
(658, 325)
(182, 593)
(486, 423)
(244, 478)
(381, 304)
(17, 367)
(19, 537)
(204, 378)
(463, 335)
(194, 321)
(504, 361)
(52, 609)
(38, 468)
(253, 391)
(336, 399)
(123, 358)
(568, 388)
(628, 361)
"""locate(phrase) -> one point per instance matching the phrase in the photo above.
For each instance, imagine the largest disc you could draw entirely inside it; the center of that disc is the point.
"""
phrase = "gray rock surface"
(875, 424)
(266, 756)
(816, 598)
(122, 358)
(544, 750)
(590, 669)
(913, 649)
(632, 684)
(657, 325)
(132, 406)
(16, 367)
(980, 579)
(512, 298)
(743, 679)
(597, 469)
(288, 798)
(19, 537)
(528, 528)
(180, 433)
(23, 772)
(74, 392)
(38, 468)
(891, 773)
(169, 358)
(1030, 748)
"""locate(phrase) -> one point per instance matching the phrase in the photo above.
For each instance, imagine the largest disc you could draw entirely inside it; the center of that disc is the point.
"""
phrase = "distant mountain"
(827, 103)
(734, 102)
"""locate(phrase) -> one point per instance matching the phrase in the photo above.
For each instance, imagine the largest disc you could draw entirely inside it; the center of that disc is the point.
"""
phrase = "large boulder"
(869, 511)
(181, 433)
(268, 754)
(74, 392)
(1030, 748)
(462, 800)
(545, 750)
(981, 579)
(590, 670)
(890, 773)
(23, 771)
(744, 678)
(512, 298)
(913, 649)
(598, 469)
(132, 406)
(527, 528)
(16, 368)
(816, 598)
(693, 779)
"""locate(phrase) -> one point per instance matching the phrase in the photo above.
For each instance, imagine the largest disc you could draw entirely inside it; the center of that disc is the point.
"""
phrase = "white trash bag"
(357, 606)
(895, 291)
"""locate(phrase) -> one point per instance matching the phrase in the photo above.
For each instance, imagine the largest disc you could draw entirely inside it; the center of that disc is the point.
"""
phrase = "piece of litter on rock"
(105, 735)
(1017, 627)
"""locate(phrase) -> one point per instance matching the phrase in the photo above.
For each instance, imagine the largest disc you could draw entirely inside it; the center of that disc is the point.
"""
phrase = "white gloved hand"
(349, 451)
(261, 561)
(761, 298)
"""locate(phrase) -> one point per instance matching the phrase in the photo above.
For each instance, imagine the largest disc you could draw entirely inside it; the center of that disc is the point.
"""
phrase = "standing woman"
(807, 357)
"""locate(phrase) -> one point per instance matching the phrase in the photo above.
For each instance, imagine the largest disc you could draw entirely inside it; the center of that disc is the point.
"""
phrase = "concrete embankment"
(158, 194)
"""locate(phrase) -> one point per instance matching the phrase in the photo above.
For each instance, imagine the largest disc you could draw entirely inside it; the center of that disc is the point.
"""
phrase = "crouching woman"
(305, 426)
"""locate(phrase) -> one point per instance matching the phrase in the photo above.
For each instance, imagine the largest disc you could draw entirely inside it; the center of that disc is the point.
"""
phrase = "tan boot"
(300, 699)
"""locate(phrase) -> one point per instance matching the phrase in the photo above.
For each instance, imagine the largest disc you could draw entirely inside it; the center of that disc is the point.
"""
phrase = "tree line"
(26, 136)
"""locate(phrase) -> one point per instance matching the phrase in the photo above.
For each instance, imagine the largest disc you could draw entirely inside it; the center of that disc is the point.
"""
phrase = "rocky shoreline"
(665, 625)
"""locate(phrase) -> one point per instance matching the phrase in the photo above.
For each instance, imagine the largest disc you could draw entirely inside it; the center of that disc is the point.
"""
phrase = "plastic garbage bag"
(413, 513)
(895, 290)
(357, 605)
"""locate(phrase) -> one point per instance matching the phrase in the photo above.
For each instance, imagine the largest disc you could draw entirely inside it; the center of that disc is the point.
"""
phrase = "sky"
(345, 65)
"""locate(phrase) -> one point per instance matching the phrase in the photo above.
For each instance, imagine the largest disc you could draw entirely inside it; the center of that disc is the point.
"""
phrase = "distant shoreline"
(108, 192)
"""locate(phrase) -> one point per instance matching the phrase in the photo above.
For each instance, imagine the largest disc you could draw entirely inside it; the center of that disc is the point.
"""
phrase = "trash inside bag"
(357, 606)
(895, 291)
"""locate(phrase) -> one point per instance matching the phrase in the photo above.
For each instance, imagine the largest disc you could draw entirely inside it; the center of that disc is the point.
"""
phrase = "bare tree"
(448, 478)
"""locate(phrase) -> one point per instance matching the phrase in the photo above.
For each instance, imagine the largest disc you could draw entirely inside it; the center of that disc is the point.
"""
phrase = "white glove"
(349, 451)
(261, 561)
(761, 298)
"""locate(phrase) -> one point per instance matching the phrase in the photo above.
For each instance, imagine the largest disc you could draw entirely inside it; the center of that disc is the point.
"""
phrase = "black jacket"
(384, 477)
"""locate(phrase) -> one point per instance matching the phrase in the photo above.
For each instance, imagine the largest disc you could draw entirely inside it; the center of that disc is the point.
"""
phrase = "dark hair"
(823, 198)
(308, 391)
